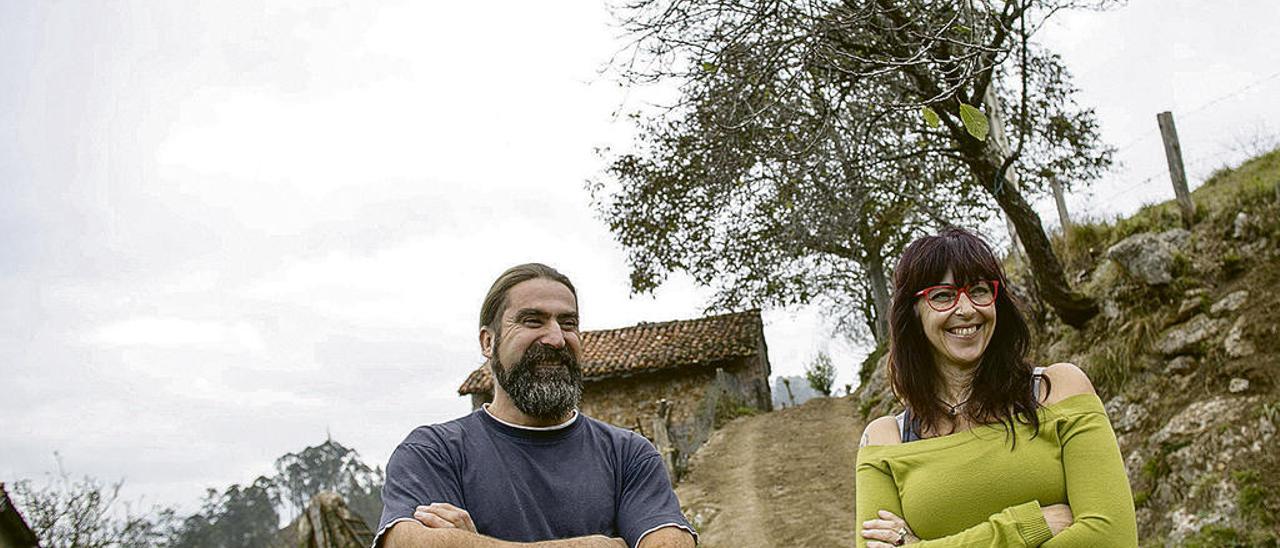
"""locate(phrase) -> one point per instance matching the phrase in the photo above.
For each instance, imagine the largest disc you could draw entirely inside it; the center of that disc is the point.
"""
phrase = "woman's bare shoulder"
(1066, 380)
(882, 431)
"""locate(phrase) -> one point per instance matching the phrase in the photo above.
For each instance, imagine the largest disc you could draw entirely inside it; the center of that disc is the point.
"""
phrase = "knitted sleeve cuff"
(1031, 524)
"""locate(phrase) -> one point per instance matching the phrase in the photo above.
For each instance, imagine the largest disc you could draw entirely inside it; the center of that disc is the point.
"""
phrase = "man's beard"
(545, 384)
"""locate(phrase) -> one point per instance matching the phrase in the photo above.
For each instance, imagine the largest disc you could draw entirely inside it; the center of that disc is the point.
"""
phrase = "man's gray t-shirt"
(587, 478)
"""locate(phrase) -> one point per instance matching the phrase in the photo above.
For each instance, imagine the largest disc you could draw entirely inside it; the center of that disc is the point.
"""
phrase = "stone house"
(678, 376)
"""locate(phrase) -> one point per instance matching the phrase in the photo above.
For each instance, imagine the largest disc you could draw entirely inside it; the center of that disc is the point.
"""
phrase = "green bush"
(728, 408)
(1182, 266)
(1251, 499)
(867, 406)
(1110, 367)
(1216, 536)
(1232, 264)
(1140, 497)
(1083, 244)
(821, 373)
(1151, 218)
(868, 367)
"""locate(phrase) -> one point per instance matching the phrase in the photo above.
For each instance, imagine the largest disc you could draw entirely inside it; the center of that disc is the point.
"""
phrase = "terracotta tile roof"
(655, 346)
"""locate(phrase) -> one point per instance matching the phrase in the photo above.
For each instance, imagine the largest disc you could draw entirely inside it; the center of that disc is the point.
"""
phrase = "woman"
(990, 451)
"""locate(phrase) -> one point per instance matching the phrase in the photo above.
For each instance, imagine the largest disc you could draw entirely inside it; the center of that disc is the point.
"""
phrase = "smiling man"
(529, 469)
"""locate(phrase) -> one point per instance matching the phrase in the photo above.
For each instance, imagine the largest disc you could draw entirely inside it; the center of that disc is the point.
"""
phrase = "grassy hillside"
(1197, 424)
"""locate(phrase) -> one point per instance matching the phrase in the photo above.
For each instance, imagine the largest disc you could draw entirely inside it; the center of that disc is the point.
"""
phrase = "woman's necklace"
(956, 408)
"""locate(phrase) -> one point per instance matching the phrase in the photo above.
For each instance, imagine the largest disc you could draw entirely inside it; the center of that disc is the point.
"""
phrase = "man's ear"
(486, 342)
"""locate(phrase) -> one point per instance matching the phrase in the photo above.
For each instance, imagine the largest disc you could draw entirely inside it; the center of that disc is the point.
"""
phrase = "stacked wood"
(327, 522)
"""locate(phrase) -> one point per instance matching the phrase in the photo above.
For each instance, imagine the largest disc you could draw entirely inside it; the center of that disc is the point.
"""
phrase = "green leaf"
(709, 66)
(930, 117)
(974, 122)
(963, 29)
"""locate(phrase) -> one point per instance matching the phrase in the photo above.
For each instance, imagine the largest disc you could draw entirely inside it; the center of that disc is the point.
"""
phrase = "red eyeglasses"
(945, 297)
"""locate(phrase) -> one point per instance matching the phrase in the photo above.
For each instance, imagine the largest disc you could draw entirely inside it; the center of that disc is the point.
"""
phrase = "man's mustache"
(545, 354)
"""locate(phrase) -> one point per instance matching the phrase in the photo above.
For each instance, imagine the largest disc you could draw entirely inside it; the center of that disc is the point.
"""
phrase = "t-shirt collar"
(567, 423)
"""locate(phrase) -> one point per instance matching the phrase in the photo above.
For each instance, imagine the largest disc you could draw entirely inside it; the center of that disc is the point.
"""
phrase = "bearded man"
(529, 469)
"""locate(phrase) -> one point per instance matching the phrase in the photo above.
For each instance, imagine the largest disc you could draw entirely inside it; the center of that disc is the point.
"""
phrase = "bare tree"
(86, 512)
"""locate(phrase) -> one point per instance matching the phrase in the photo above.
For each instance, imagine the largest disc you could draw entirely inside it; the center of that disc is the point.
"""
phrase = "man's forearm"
(668, 537)
(408, 534)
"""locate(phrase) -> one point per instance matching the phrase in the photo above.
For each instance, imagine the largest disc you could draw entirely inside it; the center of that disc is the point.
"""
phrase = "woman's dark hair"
(1001, 386)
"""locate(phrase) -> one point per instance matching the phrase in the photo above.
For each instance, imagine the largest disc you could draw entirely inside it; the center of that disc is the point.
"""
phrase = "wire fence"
(1202, 161)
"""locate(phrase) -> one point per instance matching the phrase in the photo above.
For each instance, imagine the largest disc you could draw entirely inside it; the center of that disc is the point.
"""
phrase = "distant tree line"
(87, 512)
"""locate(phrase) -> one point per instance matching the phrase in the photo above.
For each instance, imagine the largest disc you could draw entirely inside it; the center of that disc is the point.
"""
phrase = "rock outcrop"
(1150, 257)
(1192, 336)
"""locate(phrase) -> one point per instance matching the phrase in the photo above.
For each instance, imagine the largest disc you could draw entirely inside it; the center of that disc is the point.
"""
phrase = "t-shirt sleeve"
(647, 502)
(417, 474)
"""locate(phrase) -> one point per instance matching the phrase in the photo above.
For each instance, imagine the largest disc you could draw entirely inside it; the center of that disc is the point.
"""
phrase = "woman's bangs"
(967, 260)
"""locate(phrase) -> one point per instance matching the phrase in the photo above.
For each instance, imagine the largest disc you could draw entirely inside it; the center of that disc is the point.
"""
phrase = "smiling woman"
(1001, 453)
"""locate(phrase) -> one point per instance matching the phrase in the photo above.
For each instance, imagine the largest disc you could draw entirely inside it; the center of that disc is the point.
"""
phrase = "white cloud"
(179, 332)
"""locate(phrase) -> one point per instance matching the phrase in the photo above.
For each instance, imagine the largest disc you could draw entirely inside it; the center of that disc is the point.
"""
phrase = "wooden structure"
(327, 522)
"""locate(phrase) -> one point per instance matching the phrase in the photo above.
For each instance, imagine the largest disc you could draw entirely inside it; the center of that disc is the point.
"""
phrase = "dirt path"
(779, 479)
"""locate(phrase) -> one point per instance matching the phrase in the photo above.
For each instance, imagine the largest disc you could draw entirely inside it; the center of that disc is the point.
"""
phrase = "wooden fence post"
(1061, 200)
(995, 115)
(662, 438)
(1173, 153)
(1061, 204)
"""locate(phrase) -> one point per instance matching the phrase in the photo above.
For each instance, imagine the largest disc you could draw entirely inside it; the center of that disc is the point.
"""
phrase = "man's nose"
(554, 336)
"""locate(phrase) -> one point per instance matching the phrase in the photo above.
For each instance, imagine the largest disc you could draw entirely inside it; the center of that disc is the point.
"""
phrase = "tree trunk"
(1074, 308)
(874, 266)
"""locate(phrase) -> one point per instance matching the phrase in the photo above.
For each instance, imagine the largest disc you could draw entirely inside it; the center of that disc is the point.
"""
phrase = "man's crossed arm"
(446, 526)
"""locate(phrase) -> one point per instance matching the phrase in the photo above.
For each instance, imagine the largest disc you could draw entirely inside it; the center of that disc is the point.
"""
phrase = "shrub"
(728, 408)
(1232, 264)
(1140, 497)
(1110, 367)
(821, 373)
(869, 365)
(87, 512)
(1251, 499)
(867, 405)
(1217, 536)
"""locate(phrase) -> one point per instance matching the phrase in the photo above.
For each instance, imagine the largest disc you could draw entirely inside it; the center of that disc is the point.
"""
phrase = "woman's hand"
(888, 531)
(1059, 517)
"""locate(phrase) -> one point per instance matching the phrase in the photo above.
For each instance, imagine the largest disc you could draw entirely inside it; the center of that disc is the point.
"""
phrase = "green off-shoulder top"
(972, 489)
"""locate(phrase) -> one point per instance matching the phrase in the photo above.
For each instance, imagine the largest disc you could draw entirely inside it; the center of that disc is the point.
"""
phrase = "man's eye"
(570, 324)
(532, 321)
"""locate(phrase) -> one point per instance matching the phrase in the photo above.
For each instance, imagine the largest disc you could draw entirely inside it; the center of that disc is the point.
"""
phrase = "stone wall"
(631, 402)
(695, 396)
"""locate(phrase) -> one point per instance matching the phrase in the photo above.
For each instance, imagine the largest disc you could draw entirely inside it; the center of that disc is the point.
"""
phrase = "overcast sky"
(226, 230)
